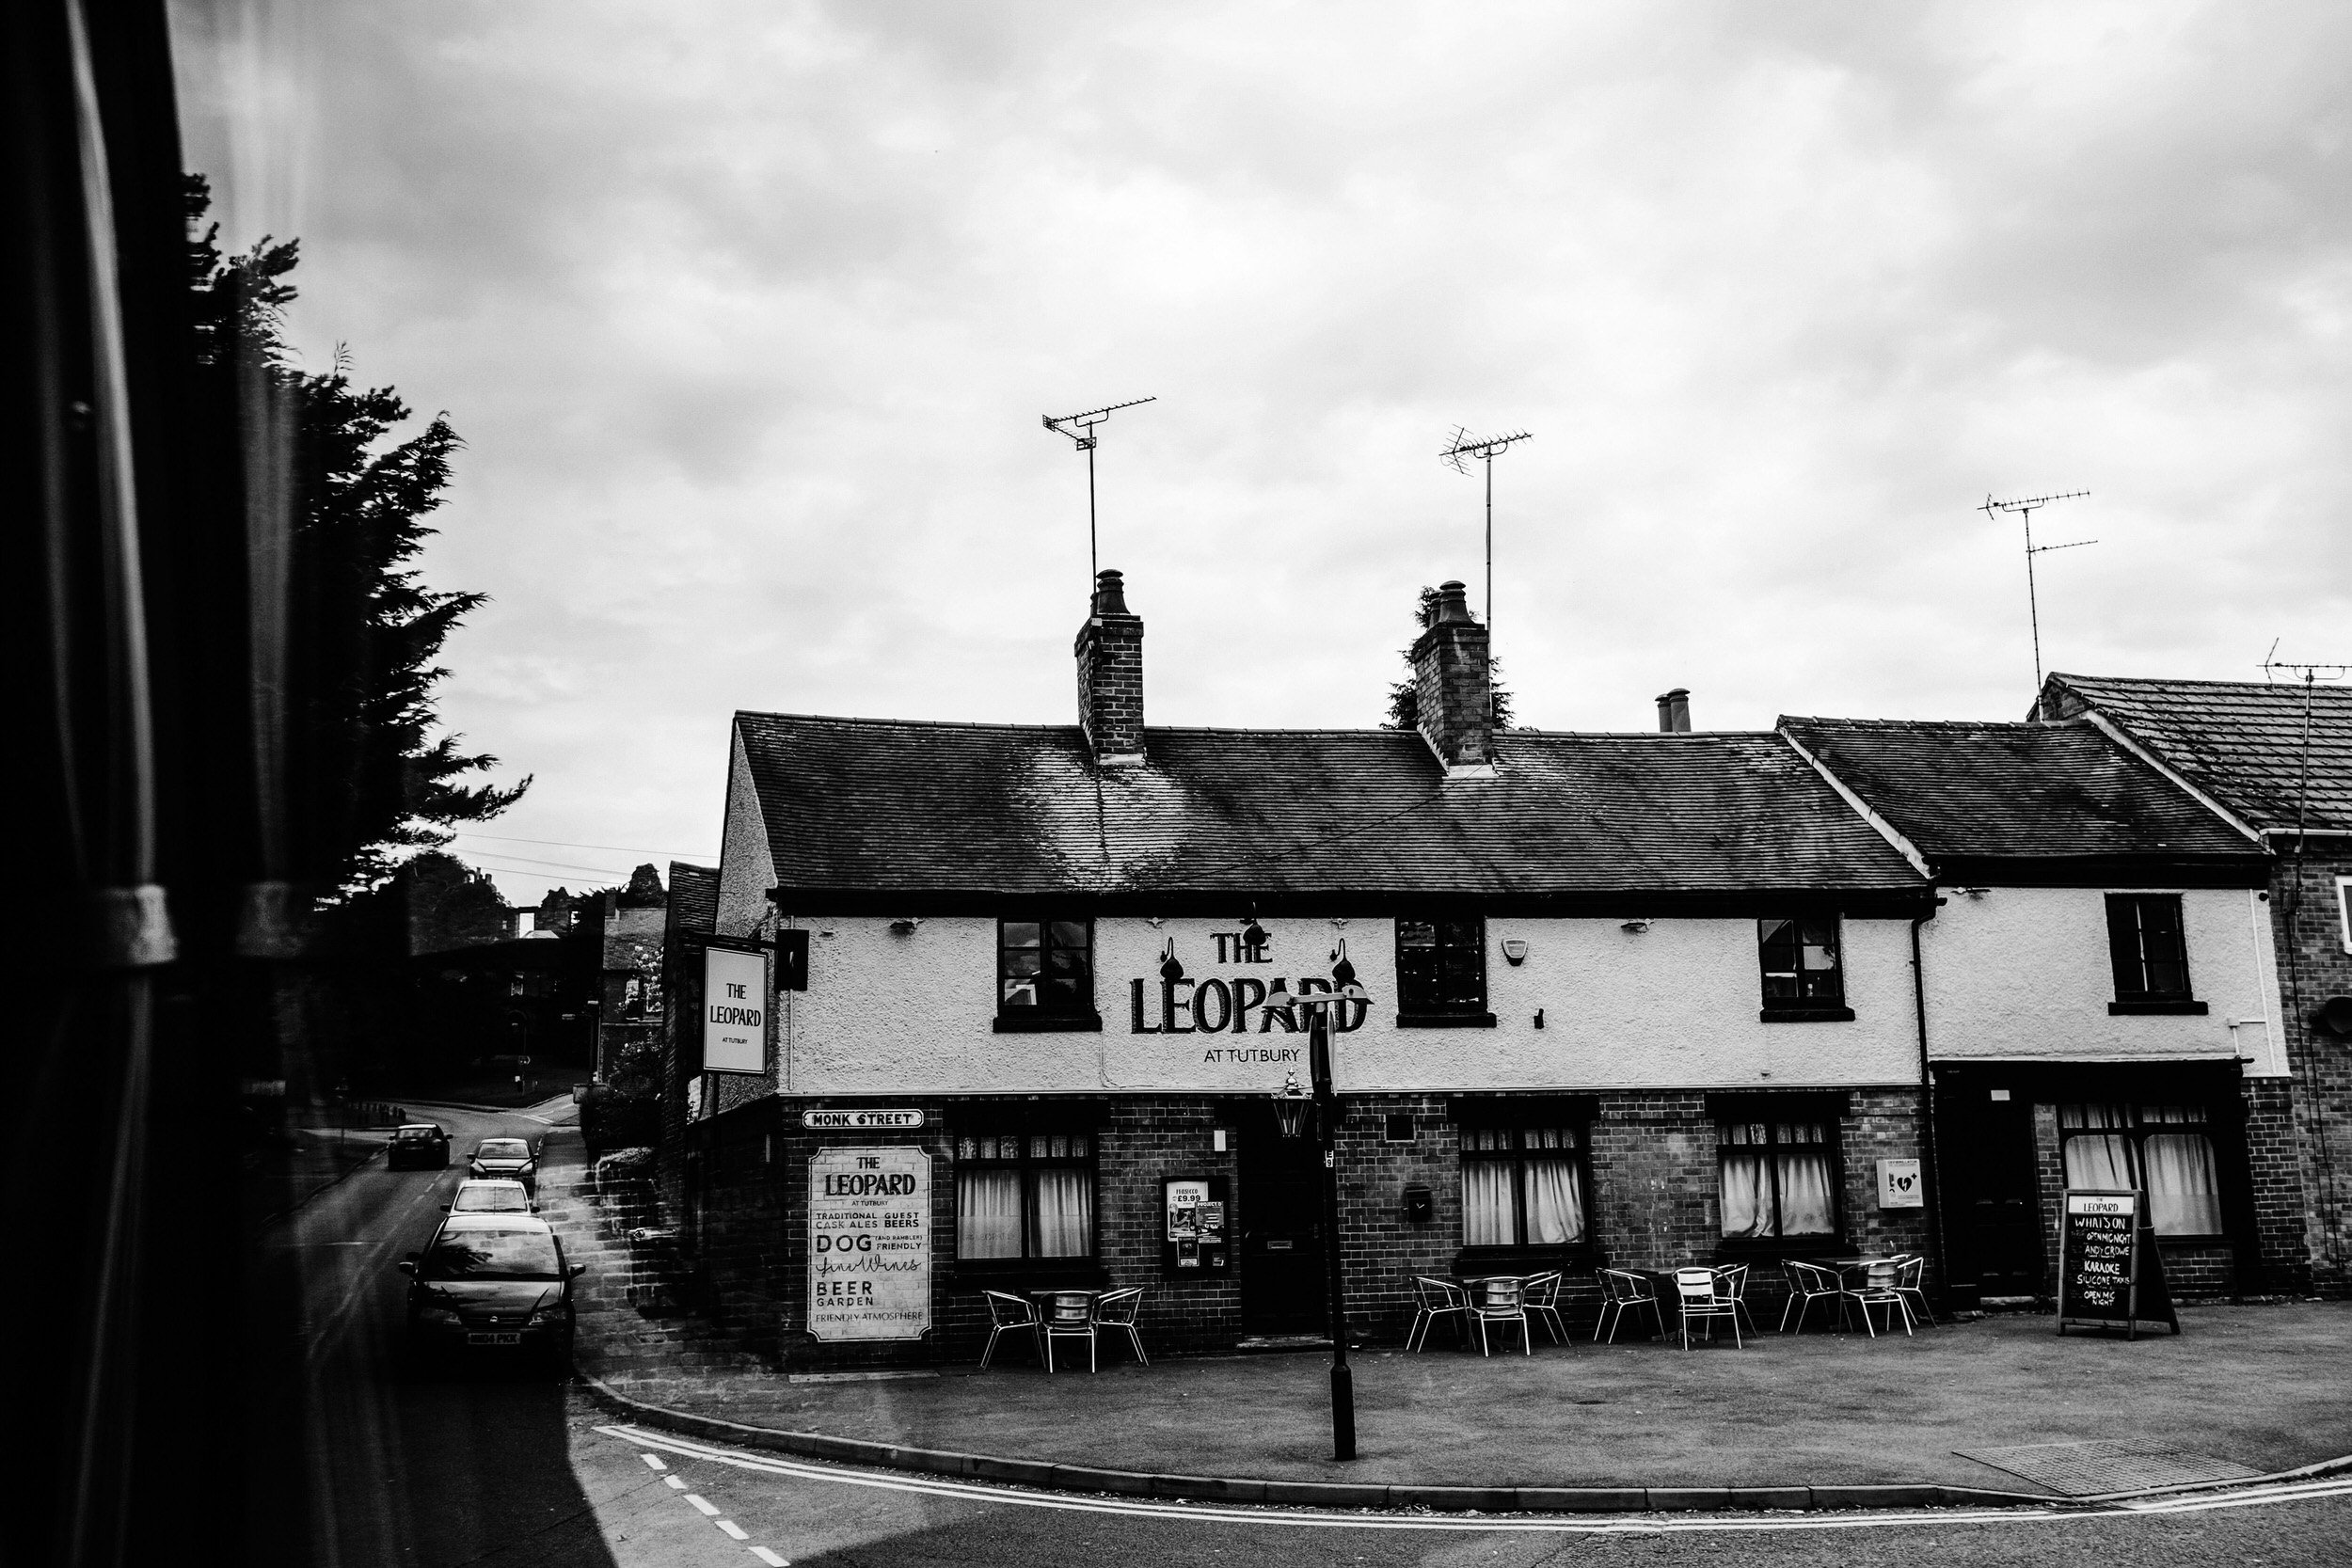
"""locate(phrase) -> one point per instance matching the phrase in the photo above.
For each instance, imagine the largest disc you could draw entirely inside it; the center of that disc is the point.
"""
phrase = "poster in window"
(869, 1243)
(735, 1011)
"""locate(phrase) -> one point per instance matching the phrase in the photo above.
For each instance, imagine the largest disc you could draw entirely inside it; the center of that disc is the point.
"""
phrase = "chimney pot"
(1674, 711)
(1110, 593)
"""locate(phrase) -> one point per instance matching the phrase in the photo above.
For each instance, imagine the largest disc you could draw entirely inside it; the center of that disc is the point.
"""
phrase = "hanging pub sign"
(2110, 1274)
(735, 1011)
(869, 1243)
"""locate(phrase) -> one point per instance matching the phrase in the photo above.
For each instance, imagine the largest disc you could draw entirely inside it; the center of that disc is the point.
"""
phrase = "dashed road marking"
(771, 1559)
(678, 1482)
(1651, 1525)
(702, 1506)
(732, 1528)
(653, 1460)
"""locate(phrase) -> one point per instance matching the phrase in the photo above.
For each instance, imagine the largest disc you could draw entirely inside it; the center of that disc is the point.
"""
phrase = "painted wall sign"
(869, 1243)
(735, 1011)
(1901, 1185)
(2110, 1275)
(859, 1121)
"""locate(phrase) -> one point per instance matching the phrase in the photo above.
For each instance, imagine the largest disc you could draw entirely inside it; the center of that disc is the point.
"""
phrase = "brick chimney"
(1674, 711)
(1110, 675)
(1451, 691)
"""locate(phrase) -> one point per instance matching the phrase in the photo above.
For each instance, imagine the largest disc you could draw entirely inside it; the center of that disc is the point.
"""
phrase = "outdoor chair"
(1623, 1291)
(1010, 1314)
(1807, 1284)
(1542, 1299)
(1878, 1289)
(1700, 1292)
(1117, 1310)
(1501, 1300)
(1732, 1280)
(1910, 1284)
(1069, 1315)
(1433, 1299)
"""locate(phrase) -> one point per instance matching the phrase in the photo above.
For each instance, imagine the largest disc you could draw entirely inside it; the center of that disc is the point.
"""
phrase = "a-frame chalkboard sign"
(2110, 1275)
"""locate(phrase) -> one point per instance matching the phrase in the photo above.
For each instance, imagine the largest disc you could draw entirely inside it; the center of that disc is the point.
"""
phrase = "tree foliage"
(367, 775)
(1404, 697)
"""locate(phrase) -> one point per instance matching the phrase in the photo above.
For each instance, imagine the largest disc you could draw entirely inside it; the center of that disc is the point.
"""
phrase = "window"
(1779, 1178)
(1441, 972)
(1045, 973)
(1522, 1186)
(1024, 1194)
(2163, 1150)
(2149, 955)
(2343, 910)
(1803, 975)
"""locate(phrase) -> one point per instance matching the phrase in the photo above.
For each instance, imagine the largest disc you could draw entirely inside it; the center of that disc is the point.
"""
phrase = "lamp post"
(1290, 1103)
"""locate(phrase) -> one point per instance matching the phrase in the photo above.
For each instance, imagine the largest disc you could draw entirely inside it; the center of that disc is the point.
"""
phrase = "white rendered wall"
(2022, 973)
(746, 869)
(1673, 1006)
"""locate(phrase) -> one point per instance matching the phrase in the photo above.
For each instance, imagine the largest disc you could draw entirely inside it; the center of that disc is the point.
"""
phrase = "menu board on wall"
(2110, 1275)
(869, 1243)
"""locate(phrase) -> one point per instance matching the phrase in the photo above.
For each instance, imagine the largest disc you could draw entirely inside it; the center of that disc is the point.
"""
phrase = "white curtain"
(1486, 1203)
(2183, 1197)
(1805, 1209)
(987, 1214)
(1065, 1213)
(1747, 1192)
(1555, 1203)
(2097, 1161)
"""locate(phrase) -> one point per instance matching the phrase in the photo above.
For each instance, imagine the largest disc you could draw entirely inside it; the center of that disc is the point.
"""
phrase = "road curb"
(1047, 1476)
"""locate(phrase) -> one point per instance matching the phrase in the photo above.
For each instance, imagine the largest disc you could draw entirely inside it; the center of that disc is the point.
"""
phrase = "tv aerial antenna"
(1080, 428)
(2309, 676)
(1461, 449)
(2025, 507)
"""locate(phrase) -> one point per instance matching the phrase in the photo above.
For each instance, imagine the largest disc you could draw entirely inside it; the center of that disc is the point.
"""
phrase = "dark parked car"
(513, 1158)
(418, 1143)
(494, 1282)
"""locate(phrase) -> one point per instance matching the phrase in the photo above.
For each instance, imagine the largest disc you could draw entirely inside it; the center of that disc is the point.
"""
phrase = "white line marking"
(771, 1559)
(733, 1529)
(1646, 1524)
(654, 1460)
(678, 1482)
(702, 1506)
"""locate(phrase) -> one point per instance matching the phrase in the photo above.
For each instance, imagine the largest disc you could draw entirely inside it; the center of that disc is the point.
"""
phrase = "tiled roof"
(1978, 790)
(868, 804)
(693, 898)
(2242, 742)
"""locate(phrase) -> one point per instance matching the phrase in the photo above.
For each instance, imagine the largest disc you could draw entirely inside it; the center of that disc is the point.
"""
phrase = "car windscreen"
(502, 1198)
(503, 1149)
(489, 1254)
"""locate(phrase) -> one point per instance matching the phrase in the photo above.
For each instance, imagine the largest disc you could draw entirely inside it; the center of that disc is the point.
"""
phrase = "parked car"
(495, 1282)
(499, 1195)
(508, 1157)
(418, 1143)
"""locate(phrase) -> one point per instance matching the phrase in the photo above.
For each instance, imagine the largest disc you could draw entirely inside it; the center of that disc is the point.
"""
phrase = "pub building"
(1635, 1000)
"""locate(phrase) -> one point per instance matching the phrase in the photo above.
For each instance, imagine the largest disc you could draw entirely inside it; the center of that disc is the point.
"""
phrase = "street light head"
(1290, 1106)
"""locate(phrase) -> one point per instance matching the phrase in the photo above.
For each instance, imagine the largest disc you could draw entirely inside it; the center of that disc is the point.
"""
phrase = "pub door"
(1280, 1204)
(1992, 1199)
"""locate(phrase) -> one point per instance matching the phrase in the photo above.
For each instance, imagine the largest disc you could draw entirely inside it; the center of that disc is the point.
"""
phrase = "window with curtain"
(1442, 967)
(1802, 965)
(1024, 1194)
(2147, 947)
(1045, 968)
(1779, 1178)
(2163, 1150)
(1522, 1186)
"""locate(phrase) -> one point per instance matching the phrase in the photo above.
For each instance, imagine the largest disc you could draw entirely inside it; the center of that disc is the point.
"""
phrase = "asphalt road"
(485, 1469)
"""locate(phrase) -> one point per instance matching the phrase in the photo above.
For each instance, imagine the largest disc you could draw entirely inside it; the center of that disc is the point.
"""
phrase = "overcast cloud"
(748, 313)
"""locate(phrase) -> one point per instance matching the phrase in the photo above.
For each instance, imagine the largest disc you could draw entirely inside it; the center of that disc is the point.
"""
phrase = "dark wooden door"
(1280, 1205)
(1993, 1200)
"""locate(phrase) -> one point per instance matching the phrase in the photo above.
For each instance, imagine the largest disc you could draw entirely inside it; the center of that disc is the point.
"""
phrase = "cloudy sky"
(748, 313)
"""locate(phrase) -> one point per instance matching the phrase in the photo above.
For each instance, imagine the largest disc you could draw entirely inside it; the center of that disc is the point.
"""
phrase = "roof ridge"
(2037, 726)
(2284, 688)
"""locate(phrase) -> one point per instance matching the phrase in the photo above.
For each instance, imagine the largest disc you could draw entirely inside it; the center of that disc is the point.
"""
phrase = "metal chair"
(1878, 1289)
(1700, 1294)
(1435, 1298)
(1732, 1278)
(1117, 1310)
(1542, 1299)
(1500, 1299)
(1069, 1315)
(1010, 1314)
(1911, 1284)
(1622, 1292)
(1807, 1284)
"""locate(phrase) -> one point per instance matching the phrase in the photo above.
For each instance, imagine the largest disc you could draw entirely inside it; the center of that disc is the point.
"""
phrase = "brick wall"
(1109, 651)
(2314, 966)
